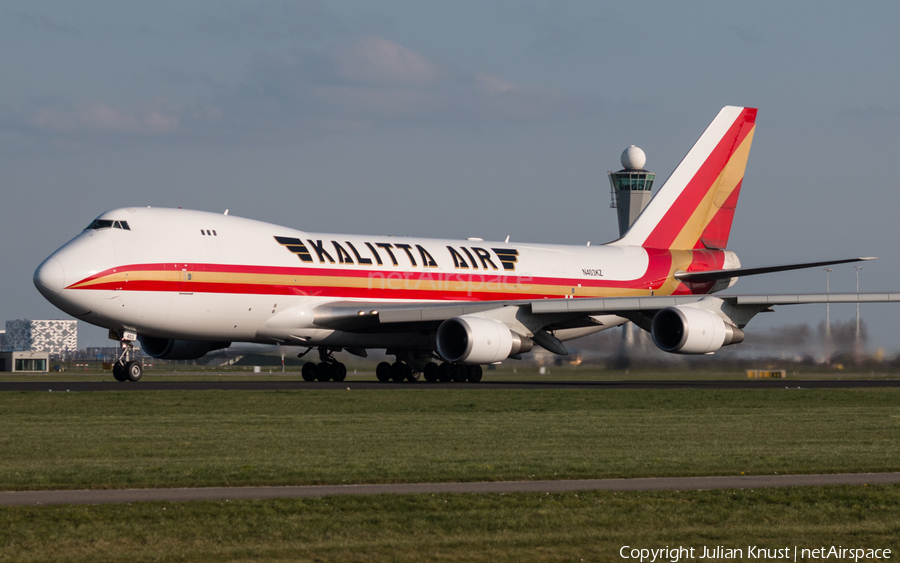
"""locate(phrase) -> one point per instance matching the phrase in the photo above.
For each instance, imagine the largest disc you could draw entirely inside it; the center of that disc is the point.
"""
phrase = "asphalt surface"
(244, 385)
(35, 498)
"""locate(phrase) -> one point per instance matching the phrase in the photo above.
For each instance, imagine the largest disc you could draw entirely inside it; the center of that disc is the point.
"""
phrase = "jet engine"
(691, 330)
(170, 349)
(476, 340)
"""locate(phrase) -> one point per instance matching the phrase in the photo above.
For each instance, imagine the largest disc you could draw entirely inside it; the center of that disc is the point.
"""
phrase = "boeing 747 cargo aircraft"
(185, 283)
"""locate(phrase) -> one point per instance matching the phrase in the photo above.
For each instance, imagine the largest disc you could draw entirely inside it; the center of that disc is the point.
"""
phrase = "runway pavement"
(245, 385)
(34, 498)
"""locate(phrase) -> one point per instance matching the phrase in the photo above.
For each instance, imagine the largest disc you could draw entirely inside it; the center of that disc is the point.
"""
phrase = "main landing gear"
(125, 368)
(410, 365)
(397, 371)
(328, 368)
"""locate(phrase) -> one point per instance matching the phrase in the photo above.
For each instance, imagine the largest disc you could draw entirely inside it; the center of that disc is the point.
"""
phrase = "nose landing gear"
(125, 368)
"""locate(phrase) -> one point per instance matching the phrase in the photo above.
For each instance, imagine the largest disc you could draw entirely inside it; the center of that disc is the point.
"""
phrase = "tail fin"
(695, 207)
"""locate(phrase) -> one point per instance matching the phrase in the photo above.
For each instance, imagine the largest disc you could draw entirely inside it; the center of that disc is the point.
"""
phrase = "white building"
(24, 361)
(53, 337)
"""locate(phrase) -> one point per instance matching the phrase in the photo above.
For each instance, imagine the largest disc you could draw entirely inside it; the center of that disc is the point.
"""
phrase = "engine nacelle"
(476, 340)
(691, 330)
(170, 349)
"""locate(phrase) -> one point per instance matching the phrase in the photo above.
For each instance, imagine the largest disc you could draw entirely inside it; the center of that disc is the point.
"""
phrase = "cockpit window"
(97, 224)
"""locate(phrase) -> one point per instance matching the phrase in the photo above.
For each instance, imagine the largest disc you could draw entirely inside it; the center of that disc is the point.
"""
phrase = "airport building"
(53, 337)
(24, 361)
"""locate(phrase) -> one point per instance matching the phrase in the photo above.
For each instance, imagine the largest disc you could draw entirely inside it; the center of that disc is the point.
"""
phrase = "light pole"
(858, 342)
(827, 313)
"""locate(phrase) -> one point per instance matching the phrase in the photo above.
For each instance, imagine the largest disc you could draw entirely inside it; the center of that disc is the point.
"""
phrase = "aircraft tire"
(119, 372)
(383, 372)
(339, 372)
(460, 373)
(323, 371)
(399, 371)
(308, 371)
(133, 371)
(431, 372)
(445, 372)
(474, 374)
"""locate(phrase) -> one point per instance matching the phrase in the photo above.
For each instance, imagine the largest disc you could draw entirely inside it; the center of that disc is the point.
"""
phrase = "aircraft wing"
(613, 305)
(356, 315)
(351, 315)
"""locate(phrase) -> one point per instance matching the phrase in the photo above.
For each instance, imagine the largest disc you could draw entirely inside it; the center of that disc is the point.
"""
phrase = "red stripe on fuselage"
(420, 284)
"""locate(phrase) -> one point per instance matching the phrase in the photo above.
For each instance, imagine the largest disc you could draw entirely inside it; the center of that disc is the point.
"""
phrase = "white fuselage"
(185, 274)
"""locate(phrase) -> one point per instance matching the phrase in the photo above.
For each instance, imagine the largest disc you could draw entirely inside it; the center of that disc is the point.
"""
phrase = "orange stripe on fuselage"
(379, 284)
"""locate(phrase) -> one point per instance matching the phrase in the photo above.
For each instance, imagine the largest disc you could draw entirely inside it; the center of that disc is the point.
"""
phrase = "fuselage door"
(186, 282)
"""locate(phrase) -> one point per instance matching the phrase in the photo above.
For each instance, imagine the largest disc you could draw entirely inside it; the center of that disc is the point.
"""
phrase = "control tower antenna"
(630, 187)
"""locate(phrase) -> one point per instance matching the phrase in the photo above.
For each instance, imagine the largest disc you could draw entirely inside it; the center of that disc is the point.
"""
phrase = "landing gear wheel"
(134, 371)
(338, 372)
(308, 371)
(119, 372)
(399, 371)
(460, 373)
(324, 372)
(474, 373)
(383, 372)
(431, 372)
(445, 372)
(413, 376)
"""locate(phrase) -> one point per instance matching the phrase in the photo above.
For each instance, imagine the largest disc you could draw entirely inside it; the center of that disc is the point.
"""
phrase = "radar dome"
(633, 158)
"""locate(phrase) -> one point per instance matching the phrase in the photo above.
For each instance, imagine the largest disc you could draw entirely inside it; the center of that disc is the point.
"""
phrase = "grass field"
(173, 438)
(169, 438)
(521, 527)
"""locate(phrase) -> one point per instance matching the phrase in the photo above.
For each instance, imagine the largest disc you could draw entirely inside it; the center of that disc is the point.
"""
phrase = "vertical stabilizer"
(695, 207)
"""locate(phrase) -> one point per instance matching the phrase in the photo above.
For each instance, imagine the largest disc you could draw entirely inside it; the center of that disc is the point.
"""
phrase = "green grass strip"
(520, 527)
(173, 439)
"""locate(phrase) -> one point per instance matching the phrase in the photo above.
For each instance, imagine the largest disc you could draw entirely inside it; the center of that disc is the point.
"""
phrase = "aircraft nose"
(49, 278)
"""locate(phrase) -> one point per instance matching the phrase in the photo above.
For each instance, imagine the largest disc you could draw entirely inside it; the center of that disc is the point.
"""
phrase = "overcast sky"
(451, 119)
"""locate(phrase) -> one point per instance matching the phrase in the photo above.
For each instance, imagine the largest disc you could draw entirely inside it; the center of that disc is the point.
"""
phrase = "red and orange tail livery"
(695, 207)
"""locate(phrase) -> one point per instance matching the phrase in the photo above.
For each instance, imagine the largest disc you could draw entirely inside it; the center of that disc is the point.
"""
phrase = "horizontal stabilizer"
(714, 275)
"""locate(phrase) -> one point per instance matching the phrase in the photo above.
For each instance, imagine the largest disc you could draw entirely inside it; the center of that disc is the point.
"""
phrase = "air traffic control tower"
(631, 187)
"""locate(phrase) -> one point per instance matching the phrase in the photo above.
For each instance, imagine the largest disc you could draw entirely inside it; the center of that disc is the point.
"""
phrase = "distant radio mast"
(631, 187)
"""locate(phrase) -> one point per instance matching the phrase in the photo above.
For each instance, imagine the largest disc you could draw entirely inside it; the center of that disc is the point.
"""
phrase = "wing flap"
(610, 304)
